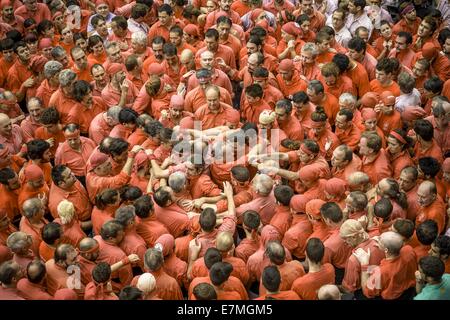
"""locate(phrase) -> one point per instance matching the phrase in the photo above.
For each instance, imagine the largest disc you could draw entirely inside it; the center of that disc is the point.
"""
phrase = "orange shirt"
(402, 25)
(337, 251)
(83, 115)
(295, 85)
(32, 291)
(295, 238)
(96, 184)
(212, 120)
(99, 128)
(173, 218)
(159, 30)
(71, 232)
(44, 134)
(435, 211)
(394, 276)
(251, 112)
(167, 288)
(377, 169)
(432, 151)
(77, 195)
(307, 286)
(344, 173)
(75, 160)
(349, 136)
(100, 217)
(399, 161)
(46, 252)
(62, 103)
(376, 86)
(282, 219)
(42, 13)
(111, 96)
(292, 128)
(289, 271)
(389, 122)
(196, 98)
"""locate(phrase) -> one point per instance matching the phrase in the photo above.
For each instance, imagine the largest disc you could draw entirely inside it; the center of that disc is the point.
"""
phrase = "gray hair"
(58, 52)
(111, 44)
(113, 112)
(263, 184)
(16, 241)
(51, 68)
(311, 47)
(125, 214)
(139, 37)
(177, 180)
(66, 77)
(34, 100)
(347, 97)
(31, 207)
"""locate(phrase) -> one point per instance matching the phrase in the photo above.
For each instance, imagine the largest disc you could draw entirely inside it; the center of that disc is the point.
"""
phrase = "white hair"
(139, 37)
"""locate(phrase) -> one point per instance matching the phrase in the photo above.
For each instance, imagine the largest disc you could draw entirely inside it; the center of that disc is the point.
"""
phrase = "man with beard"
(35, 10)
(32, 122)
(157, 56)
(10, 18)
(81, 66)
(402, 50)
(20, 78)
(287, 122)
(409, 22)
(171, 63)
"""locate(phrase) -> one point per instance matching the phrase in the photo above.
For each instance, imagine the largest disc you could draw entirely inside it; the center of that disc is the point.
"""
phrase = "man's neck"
(372, 156)
(314, 267)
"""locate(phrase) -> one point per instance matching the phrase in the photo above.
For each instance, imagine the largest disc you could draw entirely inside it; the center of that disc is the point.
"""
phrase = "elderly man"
(214, 113)
(31, 123)
(59, 54)
(432, 207)
(66, 187)
(62, 99)
(359, 181)
(374, 159)
(33, 221)
(354, 235)
(81, 66)
(139, 42)
(396, 276)
(114, 54)
(51, 82)
(75, 152)
(33, 287)
(346, 130)
(11, 135)
(103, 123)
(20, 244)
(219, 78)
(100, 79)
(10, 273)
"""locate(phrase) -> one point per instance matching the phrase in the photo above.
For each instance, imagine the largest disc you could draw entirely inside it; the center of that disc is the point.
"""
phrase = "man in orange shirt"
(402, 50)
(35, 10)
(271, 94)
(33, 287)
(214, 113)
(271, 280)
(346, 131)
(220, 51)
(253, 103)
(375, 162)
(33, 186)
(318, 96)
(75, 152)
(20, 78)
(10, 185)
(101, 126)
(318, 274)
(384, 78)
(388, 118)
(224, 8)
(432, 207)
(33, 221)
(307, 66)
(344, 162)
(440, 248)
(395, 277)
(289, 78)
(31, 123)
(66, 187)
(166, 20)
(62, 98)
(81, 66)
(119, 91)
(426, 146)
(287, 122)
(357, 52)
(409, 22)
(334, 82)
(322, 41)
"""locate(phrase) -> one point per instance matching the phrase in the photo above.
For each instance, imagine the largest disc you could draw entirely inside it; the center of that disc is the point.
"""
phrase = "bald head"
(263, 184)
(392, 242)
(275, 251)
(224, 241)
(5, 125)
(36, 271)
(186, 55)
(87, 244)
(329, 292)
(426, 193)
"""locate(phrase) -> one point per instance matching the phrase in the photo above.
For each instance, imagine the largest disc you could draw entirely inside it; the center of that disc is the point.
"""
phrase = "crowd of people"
(229, 150)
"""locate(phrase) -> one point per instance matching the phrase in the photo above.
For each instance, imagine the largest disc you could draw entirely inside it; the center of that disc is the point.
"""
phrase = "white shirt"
(405, 100)
(353, 23)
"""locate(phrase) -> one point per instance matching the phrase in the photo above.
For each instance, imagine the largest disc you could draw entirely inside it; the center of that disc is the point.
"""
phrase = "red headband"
(407, 9)
(397, 136)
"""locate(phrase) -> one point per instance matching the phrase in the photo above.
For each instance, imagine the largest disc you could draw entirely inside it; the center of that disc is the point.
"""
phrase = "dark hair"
(101, 272)
(315, 250)
(212, 33)
(252, 219)
(404, 227)
(169, 49)
(208, 219)
(240, 173)
(427, 232)
(8, 270)
(254, 91)
(332, 211)
(130, 293)
(271, 278)
(41, 271)
(161, 197)
(130, 193)
(49, 116)
(139, 10)
(432, 267)
(96, 19)
(166, 8)
(443, 243)
(153, 128)
(434, 84)
(110, 229)
(394, 193)
(357, 44)
(80, 89)
(220, 272)
(341, 61)
(283, 194)
(36, 148)
(51, 232)
(204, 291)
(429, 166)
(424, 129)
(118, 146)
(212, 256)
(121, 21)
(128, 115)
(106, 197)
(57, 172)
(383, 209)
(406, 35)
(224, 19)
(6, 174)
(143, 206)
(43, 26)
(300, 97)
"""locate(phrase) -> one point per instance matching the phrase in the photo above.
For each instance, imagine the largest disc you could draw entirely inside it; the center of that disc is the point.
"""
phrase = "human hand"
(29, 82)
(133, 258)
(51, 141)
(328, 144)
(136, 149)
(124, 86)
(227, 189)
(194, 249)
